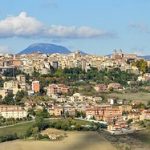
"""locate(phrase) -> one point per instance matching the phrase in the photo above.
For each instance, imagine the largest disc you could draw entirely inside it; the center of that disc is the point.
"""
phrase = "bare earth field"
(74, 141)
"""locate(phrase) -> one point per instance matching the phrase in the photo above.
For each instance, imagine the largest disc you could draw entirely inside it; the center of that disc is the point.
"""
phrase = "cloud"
(21, 25)
(26, 26)
(75, 32)
(4, 49)
(140, 27)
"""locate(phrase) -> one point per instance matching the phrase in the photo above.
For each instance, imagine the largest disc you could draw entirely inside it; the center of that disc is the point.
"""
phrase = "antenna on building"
(115, 51)
(14, 56)
(121, 51)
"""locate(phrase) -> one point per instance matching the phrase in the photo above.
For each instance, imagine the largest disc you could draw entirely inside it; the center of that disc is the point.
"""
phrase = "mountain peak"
(45, 48)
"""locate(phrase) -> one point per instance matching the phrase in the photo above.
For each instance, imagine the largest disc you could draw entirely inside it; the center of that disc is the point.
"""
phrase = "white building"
(15, 112)
(11, 85)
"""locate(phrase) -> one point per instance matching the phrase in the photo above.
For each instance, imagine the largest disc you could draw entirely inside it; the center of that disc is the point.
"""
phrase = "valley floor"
(74, 141)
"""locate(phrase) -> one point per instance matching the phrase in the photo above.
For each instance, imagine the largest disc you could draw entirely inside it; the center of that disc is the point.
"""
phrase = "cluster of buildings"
(44, 63)
(104, 87)
(92, 107)
(19, 84)
(13, 86)
(114, 112)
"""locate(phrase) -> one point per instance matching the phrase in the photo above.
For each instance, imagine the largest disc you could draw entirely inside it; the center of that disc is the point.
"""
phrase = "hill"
(45, 48)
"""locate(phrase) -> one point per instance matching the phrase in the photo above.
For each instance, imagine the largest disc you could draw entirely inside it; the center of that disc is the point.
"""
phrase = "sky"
(93, 26)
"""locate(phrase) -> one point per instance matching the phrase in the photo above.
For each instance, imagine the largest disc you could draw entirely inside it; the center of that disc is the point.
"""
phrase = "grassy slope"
(139, 97)
(19, 129)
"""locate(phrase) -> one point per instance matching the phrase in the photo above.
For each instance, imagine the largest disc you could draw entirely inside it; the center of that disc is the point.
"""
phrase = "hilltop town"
(74, 75)
(78, 86)
(75, 92)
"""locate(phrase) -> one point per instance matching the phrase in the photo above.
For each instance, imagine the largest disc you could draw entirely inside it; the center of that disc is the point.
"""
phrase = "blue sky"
(94, 26)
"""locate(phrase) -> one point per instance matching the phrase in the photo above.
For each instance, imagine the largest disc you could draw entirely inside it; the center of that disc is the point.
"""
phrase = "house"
(11, 85)
(16, 62)
(57, 89)
(125, 108)
(21, 81)
(21, 78)
(111, 114)
(135, 116)
(111, 101)
(52, 89)
(117, 126)
(95, 112)
(70, 110)
(146, 77)
(145, 115)
(36, 86)
(100, 88)
(3, 93)
(115, 86)
(56, 111)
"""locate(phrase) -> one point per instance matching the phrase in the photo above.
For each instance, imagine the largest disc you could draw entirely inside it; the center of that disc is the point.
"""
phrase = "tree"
(80, 114)
(77, 114)
(129, 121)
(66, 114)
(31, 112)
(9, 99)
(35, 131)
(148, 104)
(28, 132)
(19, 96)
(1, 82)
(35, 73)
(58, 73)
(1, 98)
(40, 123)
(42, 113)
(12, 72)
(141, 65)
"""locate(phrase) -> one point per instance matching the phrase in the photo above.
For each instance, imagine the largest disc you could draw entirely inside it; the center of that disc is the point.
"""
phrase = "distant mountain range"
(147, 57)
(45, 48)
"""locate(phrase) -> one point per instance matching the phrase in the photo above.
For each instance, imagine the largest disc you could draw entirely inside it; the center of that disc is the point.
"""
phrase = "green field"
(137, 97)
(20, 129)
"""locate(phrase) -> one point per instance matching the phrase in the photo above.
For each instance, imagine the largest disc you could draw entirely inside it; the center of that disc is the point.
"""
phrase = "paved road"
(91, 120)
